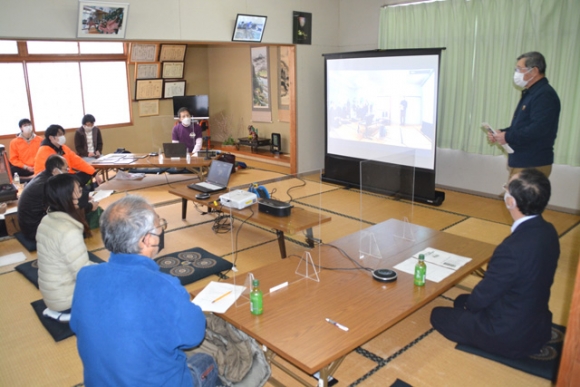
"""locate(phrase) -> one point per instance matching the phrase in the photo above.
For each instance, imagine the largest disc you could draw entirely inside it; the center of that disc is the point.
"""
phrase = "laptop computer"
(218, 178)
(174, 149)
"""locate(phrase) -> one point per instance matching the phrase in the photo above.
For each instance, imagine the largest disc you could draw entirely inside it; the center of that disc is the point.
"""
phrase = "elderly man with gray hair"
(132, 321)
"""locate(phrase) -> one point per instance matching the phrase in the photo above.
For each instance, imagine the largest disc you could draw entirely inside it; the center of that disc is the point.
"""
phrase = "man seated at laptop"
(187, 132)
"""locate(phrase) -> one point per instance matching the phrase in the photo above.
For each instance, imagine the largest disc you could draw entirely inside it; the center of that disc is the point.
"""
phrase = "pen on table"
(340, 326)
(220, 297)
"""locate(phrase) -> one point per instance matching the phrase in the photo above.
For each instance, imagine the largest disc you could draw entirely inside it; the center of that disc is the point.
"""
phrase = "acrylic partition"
(387, 189)
(286, 224)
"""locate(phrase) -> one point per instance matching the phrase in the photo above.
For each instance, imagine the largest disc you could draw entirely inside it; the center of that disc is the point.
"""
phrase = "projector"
(238, 199)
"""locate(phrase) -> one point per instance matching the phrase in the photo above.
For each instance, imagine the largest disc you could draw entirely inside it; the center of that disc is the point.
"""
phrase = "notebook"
(218, 178)
(174, 149)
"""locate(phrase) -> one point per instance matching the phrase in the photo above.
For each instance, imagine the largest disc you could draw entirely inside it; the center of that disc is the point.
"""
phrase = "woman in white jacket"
(60, 243)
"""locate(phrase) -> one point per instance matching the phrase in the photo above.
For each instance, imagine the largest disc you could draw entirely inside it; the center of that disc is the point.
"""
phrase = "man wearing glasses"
(534, 126)
(132, 321)
(507, 312)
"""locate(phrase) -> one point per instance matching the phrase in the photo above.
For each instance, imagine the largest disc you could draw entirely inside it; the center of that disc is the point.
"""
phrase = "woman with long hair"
(60, 243)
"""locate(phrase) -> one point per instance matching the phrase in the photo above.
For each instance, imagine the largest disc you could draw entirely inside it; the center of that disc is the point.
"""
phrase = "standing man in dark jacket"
(507, 313)
(534, 126)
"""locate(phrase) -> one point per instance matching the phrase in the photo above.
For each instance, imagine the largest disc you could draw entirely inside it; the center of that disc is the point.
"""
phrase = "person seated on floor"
(507, 312)
(62, 251)
(132, 321)
(88, 139)
(31, 203)
(54, 143)
(187, 132)
(23, 149)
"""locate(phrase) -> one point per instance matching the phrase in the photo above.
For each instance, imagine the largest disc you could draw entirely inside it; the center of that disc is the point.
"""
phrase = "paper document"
(12, 258)
(102, 194)
(440, 264)
(486, 127)
(9, 211)
(217, 297)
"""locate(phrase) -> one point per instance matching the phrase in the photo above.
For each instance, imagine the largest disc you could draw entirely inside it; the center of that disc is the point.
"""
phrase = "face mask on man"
(61, 140)
(161, 244)
(87, 128)
(26, 130)
(519, 79)
(186, 121)
(505, 199)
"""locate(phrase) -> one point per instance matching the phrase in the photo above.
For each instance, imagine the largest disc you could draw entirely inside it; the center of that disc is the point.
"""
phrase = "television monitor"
(249, 28)
(198, 106)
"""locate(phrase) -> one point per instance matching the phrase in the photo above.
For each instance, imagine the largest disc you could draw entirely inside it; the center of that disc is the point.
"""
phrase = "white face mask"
(505, 199)
(87, 128)
(61, 140)
(27, 129)
(519, 79)
(186, 121)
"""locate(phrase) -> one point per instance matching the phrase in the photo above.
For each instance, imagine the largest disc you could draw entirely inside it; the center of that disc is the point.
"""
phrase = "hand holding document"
(485, 126)
(217, 297)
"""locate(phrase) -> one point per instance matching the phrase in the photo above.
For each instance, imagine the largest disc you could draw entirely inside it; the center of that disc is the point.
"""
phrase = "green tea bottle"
(420, 271)
(256, 298)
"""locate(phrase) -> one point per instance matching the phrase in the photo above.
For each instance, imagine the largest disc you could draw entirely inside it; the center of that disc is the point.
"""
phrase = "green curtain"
(482, 39)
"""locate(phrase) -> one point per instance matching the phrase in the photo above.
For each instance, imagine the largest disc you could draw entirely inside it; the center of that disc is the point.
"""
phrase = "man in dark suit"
(507, 313)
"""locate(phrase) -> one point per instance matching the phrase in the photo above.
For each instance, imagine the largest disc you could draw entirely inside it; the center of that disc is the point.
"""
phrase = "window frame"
(24, 57)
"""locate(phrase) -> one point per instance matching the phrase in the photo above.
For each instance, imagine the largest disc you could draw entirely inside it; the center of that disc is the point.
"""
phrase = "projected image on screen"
(377, 106)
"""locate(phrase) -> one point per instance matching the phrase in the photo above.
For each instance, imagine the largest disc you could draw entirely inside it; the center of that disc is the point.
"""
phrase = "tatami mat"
(416, 355)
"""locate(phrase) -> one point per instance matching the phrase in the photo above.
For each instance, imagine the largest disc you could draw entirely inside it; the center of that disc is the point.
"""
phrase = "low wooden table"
(197, 165)
(299, 219)
(293, 325)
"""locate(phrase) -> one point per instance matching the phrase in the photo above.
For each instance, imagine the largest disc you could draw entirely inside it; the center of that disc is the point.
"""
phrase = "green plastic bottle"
(256, 298)
(420, 271)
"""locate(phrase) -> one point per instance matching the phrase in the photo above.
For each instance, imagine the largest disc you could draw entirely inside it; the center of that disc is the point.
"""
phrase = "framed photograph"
(302, 28)
(149, 108)
(148, 89)
(172, 70)
(102, 20)
(172, 53)
(249, 28)
(173, 89)
(147, 70)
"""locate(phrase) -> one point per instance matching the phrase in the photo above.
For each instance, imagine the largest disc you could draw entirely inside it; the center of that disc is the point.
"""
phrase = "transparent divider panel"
(387, 191)
(278, 220)
(160, 128)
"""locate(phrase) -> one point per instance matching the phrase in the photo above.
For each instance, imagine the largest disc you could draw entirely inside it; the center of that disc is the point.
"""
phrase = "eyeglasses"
(522, 69)
(162, 225)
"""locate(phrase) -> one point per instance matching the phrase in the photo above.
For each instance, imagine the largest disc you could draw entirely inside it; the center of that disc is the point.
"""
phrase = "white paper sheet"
(214, 290)
(12, 258)
(102, 194)
(440, 264)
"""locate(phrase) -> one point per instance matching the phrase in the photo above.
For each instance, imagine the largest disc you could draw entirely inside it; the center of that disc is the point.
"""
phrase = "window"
(63, 81)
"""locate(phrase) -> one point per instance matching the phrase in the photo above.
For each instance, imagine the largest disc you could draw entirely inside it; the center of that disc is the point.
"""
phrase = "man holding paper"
(507, 313)
(534, 126)
(132, 321)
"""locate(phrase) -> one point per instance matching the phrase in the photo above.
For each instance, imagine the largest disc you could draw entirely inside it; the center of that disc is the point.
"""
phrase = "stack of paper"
(217, 297)
(440, 264)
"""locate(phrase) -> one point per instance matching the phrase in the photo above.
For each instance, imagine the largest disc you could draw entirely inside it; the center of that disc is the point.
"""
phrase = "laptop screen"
(219, 173)
(174, 149)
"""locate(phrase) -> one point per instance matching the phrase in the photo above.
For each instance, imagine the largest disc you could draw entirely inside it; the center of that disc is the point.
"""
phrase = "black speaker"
(276, 143)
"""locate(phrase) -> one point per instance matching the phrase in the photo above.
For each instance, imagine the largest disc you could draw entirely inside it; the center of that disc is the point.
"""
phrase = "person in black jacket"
(507, 313)
(88, 139)
(534, 125)
(31, 205)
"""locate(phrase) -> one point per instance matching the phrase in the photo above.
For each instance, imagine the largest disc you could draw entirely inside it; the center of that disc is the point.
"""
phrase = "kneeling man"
(507, 313)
